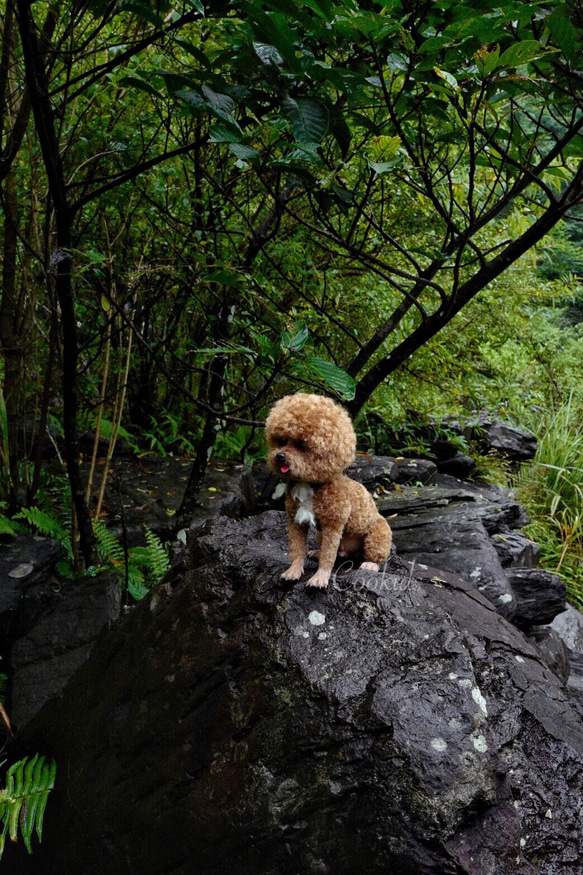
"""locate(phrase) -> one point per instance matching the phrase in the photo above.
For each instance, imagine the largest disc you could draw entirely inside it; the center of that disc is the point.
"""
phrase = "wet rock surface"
(56, 630)
(395, 723)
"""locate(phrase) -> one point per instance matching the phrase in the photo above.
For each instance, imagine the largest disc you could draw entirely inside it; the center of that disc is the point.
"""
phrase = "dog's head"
(309, 438)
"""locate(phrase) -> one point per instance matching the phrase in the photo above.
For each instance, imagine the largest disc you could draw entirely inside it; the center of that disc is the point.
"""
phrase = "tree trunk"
(11, 343)
(60, 266)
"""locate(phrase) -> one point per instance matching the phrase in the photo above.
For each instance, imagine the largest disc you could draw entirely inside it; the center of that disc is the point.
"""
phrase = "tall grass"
(551, 488)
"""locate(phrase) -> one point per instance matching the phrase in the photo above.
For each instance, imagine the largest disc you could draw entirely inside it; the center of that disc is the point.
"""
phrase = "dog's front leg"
(329, 544)
(298, 540)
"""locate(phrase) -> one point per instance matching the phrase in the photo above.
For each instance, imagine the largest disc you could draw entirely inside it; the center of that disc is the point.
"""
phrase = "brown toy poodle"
(310, 442)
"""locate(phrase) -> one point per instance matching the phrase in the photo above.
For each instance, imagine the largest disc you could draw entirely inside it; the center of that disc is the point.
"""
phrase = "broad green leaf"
(218, 101)
(223, 134)
(332, 376)
(196, 4)
(141, 9)
(194, 51)
(308, 118)
(564, 33)
(520, 53)
(140, 84)
(447, 77)
(322, 8)
(245, 153)
(295, 341)
(225, 278)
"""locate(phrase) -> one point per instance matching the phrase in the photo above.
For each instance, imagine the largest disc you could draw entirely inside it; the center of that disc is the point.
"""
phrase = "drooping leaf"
(245, 153)
(308, 118)
(223, 134)
(332, 376)
(140, 84)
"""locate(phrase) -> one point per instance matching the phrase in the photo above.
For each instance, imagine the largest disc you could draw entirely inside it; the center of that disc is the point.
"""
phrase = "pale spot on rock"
(316, 618)
(480, 744)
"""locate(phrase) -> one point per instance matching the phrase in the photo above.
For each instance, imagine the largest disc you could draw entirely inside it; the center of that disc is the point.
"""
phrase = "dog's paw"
(320, 578)
(370, 566)
(294, 572)
(313, 554)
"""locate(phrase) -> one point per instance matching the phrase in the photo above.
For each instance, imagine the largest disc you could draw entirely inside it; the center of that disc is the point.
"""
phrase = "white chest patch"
(303, 495)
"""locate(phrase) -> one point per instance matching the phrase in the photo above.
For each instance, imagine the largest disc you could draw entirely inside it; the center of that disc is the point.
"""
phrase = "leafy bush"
(551, 488)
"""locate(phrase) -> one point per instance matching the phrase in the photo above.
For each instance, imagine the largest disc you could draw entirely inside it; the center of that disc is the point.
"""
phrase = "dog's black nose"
(280, 457)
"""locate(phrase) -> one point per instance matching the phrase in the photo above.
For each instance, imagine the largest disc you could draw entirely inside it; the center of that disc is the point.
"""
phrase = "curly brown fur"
(310, 442)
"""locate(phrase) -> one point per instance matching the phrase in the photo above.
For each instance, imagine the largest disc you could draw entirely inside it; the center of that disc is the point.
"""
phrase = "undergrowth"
(140, 567)
(551, 489)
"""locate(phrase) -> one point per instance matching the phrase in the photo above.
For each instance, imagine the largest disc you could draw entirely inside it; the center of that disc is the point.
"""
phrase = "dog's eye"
(301, 445)
(280, 441)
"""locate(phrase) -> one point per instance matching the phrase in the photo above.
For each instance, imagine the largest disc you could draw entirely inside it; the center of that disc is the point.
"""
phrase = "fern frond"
(158, 559)
(137, 586)
(24, 800)
(108, 546)
(43, 522)
(7, 527)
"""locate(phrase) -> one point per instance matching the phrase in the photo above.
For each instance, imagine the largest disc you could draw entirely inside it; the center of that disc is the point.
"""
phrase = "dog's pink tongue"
(284, 469)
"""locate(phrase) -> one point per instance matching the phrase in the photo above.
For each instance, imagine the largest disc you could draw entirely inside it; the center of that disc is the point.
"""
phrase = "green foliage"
(108, 546)
(8, 527)
(147, 565)
(142, 567)
(44, 522)
(168, 434)
(158, 560)
(24, 800)
(551, 487)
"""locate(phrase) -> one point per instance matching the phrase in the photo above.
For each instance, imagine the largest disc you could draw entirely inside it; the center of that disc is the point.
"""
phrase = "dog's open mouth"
(284, 469)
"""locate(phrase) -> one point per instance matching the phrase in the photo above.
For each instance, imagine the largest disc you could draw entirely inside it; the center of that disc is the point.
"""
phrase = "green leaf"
(308, 118)
(564, 33)
(6, 527)
(245, 153)
(447, 77)
(140, 84)
(521, 53)
(194, 100)
(294, 341)
(141, 9)
(332, 376)
(383, 167)
(223, 134)
(225, 277)
(323, 8)
(196, 4)
(194, 51)
(487, 61)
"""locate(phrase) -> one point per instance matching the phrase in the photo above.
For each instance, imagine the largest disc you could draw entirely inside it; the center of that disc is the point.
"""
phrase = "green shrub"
(551, 488)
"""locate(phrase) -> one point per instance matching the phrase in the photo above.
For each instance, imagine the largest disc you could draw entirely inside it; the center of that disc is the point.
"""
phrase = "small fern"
(158, 559)
(7, 527)
(108, 546)
(24, 800)
(44, 523)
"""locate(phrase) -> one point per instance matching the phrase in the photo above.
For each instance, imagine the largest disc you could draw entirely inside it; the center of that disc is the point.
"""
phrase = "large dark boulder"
(394, 723)
(24, 561)
(55, 630)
